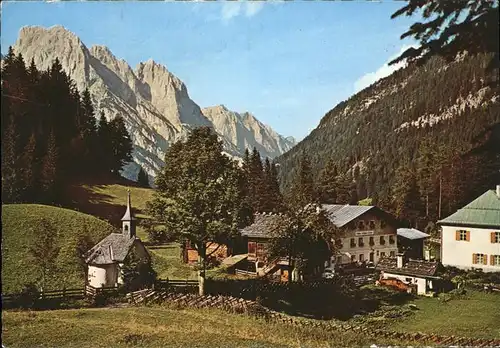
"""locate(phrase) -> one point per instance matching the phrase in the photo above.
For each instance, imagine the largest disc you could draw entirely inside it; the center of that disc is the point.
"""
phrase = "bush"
(28, 296)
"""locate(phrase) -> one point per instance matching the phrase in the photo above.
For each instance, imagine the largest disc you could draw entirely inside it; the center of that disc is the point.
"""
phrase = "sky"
(287, 63)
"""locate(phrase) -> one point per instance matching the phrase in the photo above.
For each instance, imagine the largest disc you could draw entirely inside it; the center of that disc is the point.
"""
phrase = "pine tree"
(271, 198)
(105, 145)
(303, 190)
(49, 171)
(142, 178)
(121, 144)
(344, 189)
(11, 175)
(327, 186)
(256, 181)
(29, 170)
(450, 27)
(406, 197)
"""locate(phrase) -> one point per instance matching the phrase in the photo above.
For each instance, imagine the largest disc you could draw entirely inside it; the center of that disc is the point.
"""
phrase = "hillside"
(154, 103)
(382, 126)
(19, 232)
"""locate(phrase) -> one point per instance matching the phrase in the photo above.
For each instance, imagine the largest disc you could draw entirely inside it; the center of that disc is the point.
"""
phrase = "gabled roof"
(341, 215)
(483, 211)
(263, 225)
(120, 245)
(418, 268)
(412, 233)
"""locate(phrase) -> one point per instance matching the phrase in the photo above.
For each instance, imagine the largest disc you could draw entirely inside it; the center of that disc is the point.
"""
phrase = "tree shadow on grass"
(88, 198)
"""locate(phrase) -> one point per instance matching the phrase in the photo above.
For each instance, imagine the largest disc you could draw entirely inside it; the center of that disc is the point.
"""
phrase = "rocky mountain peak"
(154, 103)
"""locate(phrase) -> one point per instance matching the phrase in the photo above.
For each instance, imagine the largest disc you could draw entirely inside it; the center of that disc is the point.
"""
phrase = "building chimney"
(498, 191)
(111, 253)
(400, 260)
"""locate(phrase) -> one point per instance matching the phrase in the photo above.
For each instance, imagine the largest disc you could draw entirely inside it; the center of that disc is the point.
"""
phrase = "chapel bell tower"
(128, 220)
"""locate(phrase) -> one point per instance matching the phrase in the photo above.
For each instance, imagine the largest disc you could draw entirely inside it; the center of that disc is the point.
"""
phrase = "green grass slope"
(19, 232)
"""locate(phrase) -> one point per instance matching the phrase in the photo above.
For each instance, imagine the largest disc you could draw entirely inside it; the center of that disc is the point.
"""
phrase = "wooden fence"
(51, 294)
(61, 295)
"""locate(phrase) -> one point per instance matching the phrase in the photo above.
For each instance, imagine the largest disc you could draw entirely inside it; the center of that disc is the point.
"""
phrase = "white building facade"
(368, 234)
(470, 238)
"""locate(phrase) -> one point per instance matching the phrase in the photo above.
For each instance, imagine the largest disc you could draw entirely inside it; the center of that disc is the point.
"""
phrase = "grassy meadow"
(167, 262)
(162, 327)
(477, 314)
(19, 231)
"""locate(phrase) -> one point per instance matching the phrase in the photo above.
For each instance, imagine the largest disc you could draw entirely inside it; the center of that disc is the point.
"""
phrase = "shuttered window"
(479, 259)
(495, 260)
(462, 235)
(495, 237)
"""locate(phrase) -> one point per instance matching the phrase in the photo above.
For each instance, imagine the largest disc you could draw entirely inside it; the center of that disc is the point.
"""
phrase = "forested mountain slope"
(444, 106)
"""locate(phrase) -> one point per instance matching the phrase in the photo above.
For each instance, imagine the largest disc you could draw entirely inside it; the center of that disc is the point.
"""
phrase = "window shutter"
(473, 258)
(485, 259)
(467, 236)
(492, 237)
(492, 260)
(457, 235)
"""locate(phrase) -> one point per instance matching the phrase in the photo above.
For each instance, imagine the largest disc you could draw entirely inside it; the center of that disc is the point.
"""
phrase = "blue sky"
(287, 63)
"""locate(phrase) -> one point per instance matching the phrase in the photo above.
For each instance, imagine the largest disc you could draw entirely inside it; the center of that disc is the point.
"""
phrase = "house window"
(408, 280)
(372, 257)
(126, 228)
(382, 224)
(251, 247)
(479, 259)
(372, 242)
(393, 253)
(353, 243)
(260, 251)
(361, 257)
(372, 224)
(361, 225)
(495, 260)
(360, 241)
(382, 240)
(338, 243)
(462, 235)
(382, 254)
(339, 260)
(495, 237)
(353, 258)
(392, 240)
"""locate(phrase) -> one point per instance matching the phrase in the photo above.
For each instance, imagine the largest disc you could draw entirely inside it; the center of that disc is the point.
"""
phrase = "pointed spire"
(128, 212)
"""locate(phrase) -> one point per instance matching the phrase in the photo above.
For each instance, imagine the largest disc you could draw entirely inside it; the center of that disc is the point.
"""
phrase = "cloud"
(385, 70)
(232, 9)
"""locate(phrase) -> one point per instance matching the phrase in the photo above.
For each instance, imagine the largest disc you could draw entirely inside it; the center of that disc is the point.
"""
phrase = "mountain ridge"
(383, 125)
(155, 103)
